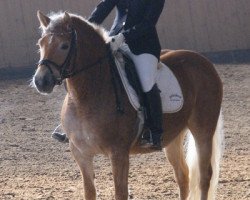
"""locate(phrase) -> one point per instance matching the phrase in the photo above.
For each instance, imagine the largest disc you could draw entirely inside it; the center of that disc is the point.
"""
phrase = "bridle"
(70, 60)
(65, 72)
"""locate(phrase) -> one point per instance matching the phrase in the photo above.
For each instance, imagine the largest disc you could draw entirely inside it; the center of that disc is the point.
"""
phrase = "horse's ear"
(44, 20)
(67, 18)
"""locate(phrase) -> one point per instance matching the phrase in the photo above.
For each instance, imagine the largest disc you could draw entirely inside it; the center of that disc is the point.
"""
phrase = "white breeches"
(146, 67)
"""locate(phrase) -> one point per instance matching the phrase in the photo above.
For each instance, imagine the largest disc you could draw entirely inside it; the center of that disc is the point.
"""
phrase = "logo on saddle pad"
(171, 94)
(175, 97)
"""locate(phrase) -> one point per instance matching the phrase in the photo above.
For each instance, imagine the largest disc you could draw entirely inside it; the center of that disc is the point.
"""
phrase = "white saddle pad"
(171, 94)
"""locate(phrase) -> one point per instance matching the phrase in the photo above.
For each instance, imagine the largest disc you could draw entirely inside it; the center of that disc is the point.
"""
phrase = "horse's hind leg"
(208, 147)
(120, 168)
(204, 148)
(176, 157)
(85, 163)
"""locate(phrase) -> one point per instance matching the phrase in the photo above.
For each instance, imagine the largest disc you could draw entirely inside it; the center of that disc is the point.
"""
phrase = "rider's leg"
(146, 66)
(154, 113)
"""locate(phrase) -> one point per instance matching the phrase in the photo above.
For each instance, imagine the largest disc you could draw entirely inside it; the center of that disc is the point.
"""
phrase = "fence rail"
(200, 25)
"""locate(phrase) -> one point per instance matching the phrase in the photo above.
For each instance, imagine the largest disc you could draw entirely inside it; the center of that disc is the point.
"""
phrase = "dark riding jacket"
(136, 19)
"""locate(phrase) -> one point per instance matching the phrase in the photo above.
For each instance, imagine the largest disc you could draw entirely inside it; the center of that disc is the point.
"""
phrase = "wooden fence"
(200, 25)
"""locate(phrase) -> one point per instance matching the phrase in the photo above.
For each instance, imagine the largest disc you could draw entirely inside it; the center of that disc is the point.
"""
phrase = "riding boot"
(154, 118)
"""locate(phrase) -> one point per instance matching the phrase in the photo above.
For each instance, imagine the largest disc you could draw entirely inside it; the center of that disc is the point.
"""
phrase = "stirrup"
(148, 143)
(60, 137)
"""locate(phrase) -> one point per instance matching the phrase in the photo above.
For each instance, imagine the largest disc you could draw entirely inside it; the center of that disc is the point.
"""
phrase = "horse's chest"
(76, 128)
(80, 129)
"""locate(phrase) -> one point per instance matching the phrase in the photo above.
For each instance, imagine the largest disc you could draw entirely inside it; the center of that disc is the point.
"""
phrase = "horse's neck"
(91, 86)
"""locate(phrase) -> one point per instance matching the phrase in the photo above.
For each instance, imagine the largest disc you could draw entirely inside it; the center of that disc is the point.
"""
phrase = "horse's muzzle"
(44, 82)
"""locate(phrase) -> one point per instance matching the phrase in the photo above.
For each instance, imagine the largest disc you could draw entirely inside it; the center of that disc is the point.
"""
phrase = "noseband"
(70, 59)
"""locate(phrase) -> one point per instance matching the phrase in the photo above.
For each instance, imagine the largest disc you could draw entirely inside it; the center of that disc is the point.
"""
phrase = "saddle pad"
(171, 94)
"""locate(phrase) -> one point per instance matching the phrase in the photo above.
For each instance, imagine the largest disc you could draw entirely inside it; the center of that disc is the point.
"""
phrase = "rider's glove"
(116, 41)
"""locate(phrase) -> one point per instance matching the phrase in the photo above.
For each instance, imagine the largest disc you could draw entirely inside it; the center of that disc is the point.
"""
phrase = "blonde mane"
(57, 20)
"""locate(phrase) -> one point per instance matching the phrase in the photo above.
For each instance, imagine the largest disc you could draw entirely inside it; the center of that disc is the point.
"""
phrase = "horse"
(75, 51)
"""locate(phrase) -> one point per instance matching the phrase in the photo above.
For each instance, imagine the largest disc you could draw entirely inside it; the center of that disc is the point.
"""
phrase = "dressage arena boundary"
(183, 25)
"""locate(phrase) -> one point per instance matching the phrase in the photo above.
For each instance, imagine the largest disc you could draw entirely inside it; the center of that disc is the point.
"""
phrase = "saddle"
(125, 76)
(131, 76)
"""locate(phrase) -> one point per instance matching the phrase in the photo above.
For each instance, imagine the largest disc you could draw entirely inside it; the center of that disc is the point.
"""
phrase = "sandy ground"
(34, 166)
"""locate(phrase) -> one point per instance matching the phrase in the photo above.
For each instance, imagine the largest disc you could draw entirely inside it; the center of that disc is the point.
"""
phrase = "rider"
(134, 30)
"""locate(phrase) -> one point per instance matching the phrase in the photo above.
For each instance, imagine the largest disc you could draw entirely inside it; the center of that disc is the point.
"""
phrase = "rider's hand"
(116, 41)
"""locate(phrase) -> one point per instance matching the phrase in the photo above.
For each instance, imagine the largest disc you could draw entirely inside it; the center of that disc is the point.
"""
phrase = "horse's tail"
(192, 161)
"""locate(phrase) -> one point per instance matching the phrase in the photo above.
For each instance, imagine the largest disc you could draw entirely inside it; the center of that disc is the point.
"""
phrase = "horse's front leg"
(85, 163)
(120, 168)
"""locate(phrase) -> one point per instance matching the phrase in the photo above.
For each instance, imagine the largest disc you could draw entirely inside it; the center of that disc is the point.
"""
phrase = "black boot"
(154, 119)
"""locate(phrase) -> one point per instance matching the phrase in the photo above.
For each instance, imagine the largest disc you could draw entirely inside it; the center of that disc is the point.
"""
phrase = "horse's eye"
(64, 46)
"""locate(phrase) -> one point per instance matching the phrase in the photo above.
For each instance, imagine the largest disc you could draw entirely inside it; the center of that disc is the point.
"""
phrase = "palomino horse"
(73, 49)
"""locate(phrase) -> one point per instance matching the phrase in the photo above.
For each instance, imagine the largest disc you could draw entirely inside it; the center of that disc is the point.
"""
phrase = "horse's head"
(57, 49)
(67, 43)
